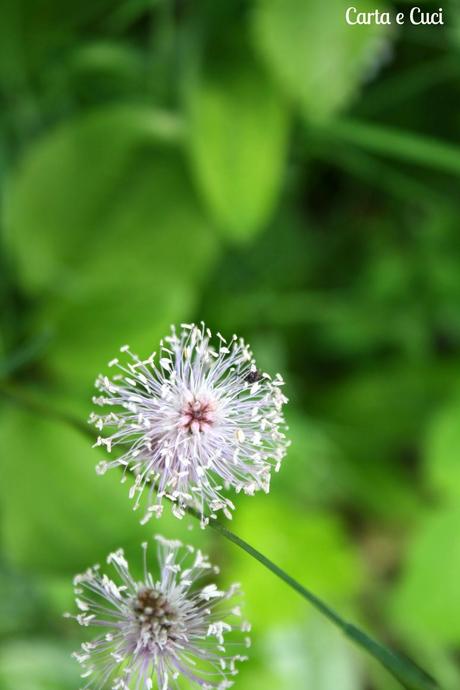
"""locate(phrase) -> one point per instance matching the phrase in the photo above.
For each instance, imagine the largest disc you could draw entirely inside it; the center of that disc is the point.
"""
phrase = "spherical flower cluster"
(160, 632)
(199, 421)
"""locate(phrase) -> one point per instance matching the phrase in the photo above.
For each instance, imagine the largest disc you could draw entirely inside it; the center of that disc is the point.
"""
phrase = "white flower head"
(192, 423)
(161, 632)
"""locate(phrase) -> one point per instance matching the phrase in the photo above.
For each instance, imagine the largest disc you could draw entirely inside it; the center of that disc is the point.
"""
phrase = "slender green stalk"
(404, 670)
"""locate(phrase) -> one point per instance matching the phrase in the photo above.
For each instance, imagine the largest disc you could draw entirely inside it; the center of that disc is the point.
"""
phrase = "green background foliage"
(262, 166)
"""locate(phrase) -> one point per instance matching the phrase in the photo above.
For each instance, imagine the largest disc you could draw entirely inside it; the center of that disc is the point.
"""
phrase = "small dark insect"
(253, 376)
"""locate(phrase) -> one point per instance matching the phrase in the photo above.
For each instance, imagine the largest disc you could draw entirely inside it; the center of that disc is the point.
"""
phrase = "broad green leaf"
(58, 515)
(237, 138)
(426, 602)
(311, 546)
(63, 193)
(108, 233)
(442, 450)
(316, 57)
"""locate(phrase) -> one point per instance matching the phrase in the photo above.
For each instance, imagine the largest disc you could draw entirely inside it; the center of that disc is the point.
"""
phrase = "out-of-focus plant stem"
(404, 670)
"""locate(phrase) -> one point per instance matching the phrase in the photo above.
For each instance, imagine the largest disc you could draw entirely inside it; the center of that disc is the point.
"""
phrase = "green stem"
(404, 670)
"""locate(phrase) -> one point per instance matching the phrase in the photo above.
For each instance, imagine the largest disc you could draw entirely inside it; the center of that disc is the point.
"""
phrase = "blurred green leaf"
(316, 57)
(58, 515)
(442, 450)
(315, 469)
(359, 406)
(237, 136)
(312, 657)
(374, 417)
(426, 602)
(310, 546)
(258, 677)
(37, 665)
(106, 229)
(67, 184)
(21, 605)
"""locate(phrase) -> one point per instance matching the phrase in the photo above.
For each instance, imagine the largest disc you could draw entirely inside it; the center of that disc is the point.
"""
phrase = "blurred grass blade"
(405, 146)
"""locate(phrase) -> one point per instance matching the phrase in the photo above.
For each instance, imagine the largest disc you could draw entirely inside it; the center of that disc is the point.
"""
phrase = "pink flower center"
(197, 415)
